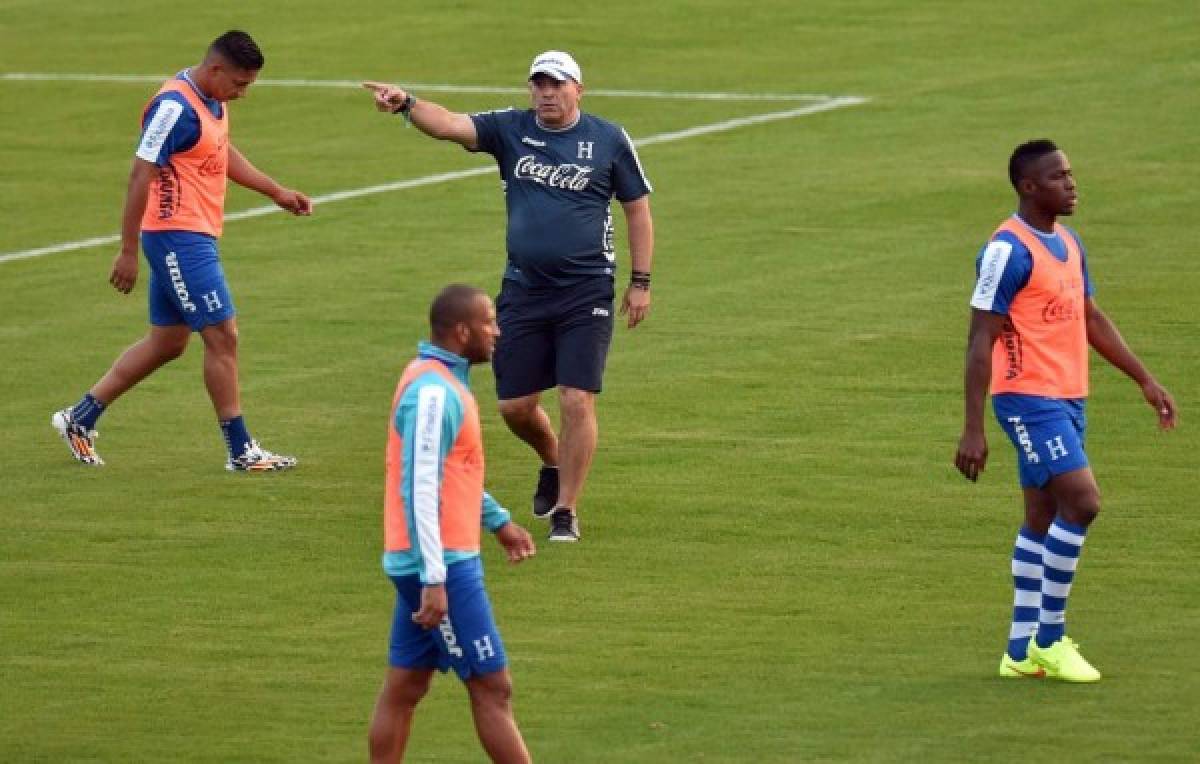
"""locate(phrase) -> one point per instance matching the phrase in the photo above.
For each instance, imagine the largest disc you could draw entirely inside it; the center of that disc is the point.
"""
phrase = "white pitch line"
(757, 119)
(419, 87)
(445, 177)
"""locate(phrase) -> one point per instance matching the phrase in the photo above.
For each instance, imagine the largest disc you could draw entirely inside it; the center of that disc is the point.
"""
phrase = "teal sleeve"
(421, 480)
(405, 420)
(494, 516)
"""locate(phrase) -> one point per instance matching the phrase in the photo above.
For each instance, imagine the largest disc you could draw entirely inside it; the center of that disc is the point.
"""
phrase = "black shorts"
(552, 336)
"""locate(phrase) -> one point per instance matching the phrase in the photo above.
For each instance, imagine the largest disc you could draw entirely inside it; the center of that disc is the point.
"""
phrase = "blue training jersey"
(1005, 251)
(170, 124)
(558, 185)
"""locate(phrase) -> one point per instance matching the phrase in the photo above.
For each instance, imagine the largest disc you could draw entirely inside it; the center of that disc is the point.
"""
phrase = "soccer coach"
(560, 169)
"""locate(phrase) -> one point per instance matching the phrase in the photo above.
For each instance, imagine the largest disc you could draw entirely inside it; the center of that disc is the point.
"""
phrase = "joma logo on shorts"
(178, 283)
(1023, 438)
(600, 312)
(451, 640)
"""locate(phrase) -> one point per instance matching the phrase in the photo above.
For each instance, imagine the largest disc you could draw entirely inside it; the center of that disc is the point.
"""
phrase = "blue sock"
(1063, 545)
(236, 437)
(87, 411)
(1027, 591)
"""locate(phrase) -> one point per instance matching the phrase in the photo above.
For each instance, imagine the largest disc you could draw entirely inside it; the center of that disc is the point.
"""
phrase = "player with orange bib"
(1032, 320)
(434, 511)
(176, 201)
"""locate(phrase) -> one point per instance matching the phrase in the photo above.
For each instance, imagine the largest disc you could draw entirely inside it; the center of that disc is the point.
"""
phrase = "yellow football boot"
(1010, 668)
(1062, 661)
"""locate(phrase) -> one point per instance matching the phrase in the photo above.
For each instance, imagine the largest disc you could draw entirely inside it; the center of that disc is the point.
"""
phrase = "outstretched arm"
(986, 327)
(1102, 335)
(430, 118)
(245, 174)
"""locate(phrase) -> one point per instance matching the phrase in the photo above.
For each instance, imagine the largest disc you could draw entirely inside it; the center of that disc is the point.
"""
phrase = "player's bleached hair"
(1026, 154)
(239, 49)
(453, 305)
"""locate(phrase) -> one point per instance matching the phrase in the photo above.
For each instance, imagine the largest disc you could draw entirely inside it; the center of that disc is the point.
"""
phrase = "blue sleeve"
(169, 126)
(629, 181)
(1002, 269)
(1088, 291)
(489, 129)
(495, 516)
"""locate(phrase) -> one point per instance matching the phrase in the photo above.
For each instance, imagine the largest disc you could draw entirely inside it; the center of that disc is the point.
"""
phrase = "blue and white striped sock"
(1061, 557)
(87, 411)
(1027, 591)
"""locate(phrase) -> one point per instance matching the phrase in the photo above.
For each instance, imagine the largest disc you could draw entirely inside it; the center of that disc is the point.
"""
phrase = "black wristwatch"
(409, 102)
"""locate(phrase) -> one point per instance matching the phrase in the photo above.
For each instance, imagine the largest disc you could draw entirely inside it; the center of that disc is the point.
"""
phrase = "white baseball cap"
(557, 64)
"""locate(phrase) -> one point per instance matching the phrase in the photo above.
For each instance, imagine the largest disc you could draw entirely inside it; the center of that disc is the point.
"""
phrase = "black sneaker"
(546, 495)
(564, 525)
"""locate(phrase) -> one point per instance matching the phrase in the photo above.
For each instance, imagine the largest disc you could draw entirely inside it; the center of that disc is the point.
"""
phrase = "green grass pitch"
(779, 562)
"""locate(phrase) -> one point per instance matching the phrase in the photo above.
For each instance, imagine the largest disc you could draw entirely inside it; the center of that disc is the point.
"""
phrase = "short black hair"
(239, 49)
(453, 305)
(1026, 154)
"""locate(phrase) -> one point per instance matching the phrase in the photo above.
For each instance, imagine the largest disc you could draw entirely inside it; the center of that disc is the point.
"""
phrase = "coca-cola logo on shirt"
(1061, 310)
(1066, 306)
(214, 164)
(571, 177)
